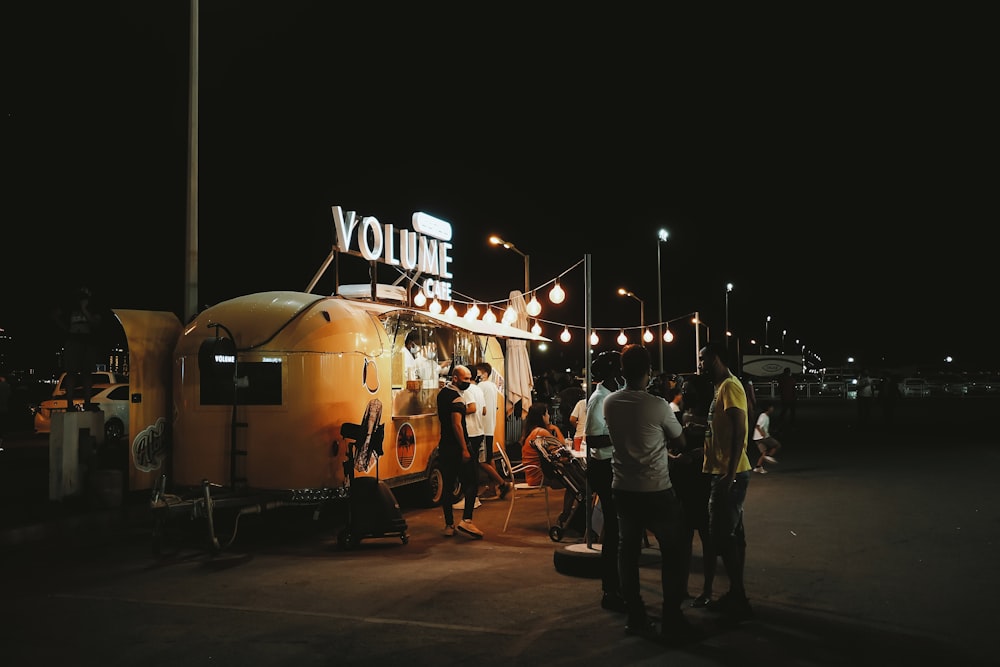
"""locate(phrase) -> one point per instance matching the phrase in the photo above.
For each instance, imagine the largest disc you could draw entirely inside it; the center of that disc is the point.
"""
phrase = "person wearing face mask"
(416, 366)
(459, 458)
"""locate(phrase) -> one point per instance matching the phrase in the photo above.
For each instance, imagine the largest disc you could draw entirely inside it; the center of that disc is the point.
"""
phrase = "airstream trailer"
(281, 398)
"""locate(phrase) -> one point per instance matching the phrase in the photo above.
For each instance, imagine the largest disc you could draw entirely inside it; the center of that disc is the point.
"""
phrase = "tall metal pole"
(191, 260)
(661, 237)
(697, 341)
(587, 310)
(729, 288)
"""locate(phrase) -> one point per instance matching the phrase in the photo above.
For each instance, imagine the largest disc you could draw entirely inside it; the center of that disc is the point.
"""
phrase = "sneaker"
(469, 528)
(613, 603)
(449, 531)
(642, 627)
(770, 459)
(701, 601)
(505, 489)
(760, 469)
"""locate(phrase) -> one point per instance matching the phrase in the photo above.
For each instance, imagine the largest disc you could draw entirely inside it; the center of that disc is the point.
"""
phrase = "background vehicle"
(97, 379)
(914, 388)
(112, 399)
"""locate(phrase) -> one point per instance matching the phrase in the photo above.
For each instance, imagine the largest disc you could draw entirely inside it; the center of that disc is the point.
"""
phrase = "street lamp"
(729, 288)
(661, 237)
(784, 332)
(496, 240)
(642, 308)
(766, 323)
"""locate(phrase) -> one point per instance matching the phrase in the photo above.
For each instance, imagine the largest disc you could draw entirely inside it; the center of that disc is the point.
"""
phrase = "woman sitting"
(537, 425)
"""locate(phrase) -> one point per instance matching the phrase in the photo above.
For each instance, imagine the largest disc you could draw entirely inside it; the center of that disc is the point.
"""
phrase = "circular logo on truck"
(406, 445)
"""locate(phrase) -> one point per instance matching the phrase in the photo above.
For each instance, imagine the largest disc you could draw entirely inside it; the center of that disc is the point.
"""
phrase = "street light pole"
(661, 237)
(642, 308)
(729, 288)
(766, 323)
(496, 240)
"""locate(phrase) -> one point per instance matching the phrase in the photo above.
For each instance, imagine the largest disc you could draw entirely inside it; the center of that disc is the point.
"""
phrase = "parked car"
(97, 379)
(112, 399)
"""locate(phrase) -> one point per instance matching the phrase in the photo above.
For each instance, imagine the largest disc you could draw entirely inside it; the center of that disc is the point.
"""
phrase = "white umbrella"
(519, 378)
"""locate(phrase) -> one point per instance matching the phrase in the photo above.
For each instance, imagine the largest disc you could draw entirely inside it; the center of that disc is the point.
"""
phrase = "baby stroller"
(562, 470)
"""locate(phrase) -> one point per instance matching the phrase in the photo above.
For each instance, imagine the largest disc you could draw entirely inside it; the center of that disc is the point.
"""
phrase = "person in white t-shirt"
(578, 419)
(767, 444)
(482, 374)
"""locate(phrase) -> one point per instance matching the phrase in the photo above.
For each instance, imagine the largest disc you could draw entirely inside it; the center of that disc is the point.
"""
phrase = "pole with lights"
(661, 237)
(642, 312)
(767, 322)
(729, 288)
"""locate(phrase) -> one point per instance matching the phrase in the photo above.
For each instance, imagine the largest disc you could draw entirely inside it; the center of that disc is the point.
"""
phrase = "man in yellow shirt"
(726, 460)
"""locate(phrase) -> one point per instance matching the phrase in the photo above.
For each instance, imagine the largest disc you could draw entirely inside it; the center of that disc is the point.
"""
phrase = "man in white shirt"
(483, 371)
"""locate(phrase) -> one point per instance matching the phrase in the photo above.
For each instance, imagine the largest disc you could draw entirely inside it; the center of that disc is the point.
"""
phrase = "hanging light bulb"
(451, 312)
(647, 336)
(534, 308)
(473, 312)
(565, 336)
(556, 294)
(509, 315)
(622, 338)
(489, 316)
(435, 306)
(594, 340)
(420, 300)
(668, 335)
(536, 329)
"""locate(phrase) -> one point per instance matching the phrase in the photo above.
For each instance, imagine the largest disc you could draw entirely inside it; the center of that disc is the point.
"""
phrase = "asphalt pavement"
(867, 545)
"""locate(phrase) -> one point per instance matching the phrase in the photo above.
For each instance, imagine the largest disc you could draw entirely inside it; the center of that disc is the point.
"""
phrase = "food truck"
(283, 398)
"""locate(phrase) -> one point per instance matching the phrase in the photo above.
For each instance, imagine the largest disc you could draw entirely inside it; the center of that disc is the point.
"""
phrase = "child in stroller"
(545, 447)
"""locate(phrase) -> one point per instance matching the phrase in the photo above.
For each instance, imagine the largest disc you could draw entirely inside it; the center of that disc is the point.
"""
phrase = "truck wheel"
(434, 484)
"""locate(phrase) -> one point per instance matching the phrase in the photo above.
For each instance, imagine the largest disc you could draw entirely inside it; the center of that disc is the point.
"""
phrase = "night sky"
(834, 169)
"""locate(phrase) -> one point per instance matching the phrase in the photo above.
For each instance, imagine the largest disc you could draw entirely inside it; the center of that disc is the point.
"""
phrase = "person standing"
(642, 428)
(767, 444)
(483, 371)
(458, 460)
(578, 420)
(80, 324)
(786, 390)
(604, 371)
(726, 460)
(5, 392)
(866, 397)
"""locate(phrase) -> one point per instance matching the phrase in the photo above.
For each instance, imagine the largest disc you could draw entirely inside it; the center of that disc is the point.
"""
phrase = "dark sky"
(835, 169)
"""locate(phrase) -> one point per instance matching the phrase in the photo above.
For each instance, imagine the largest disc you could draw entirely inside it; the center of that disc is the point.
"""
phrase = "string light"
(473, 312)
(420, 300)
(594, 340)
(556, 294)
(509, 315)
(451, 312)
(668, 335)
(435, 306)
(489, 316)
(647, 336)
(622, 338)
(536, 329)
(534, 308)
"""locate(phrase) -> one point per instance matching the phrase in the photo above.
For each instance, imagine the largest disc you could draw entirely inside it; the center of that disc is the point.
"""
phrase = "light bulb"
(594, 340)
(489, 316)
(534, 308)
(473, 312)
(564, 336)
(451, 312)
(509, 315)
(668, 335)
(622, 338)
(420, 300)
(536, 329)
(435, 306)
(556, 294)
(647, 336)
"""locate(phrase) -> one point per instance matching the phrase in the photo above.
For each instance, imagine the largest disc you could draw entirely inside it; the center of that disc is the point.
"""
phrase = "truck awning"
(495, 329)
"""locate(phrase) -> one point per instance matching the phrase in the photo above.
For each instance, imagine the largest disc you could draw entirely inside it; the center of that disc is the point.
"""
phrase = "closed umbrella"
(519, 378)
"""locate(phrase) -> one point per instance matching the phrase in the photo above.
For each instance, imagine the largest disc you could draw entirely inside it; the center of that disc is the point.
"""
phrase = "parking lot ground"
(866, 546)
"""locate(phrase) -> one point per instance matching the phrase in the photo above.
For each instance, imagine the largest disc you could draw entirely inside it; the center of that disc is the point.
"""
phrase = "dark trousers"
(599, 478)
(453, 470)
(660, 513)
